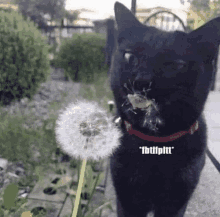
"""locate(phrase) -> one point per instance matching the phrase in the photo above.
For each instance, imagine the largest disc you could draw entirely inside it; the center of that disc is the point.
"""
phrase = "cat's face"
(160, 80)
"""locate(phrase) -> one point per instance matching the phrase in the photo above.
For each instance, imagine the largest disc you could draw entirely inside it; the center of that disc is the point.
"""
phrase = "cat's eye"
(131, 59)
(174, 65)
(180, 64)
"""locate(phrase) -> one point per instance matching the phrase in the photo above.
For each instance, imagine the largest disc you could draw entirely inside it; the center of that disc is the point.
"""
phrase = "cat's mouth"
(140, 102)
(141, 110)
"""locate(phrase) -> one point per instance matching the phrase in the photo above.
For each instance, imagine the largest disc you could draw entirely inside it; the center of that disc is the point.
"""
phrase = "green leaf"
(9, 196)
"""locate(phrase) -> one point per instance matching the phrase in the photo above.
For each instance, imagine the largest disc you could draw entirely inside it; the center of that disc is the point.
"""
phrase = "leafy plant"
(204, 10)
(82, 56)
(24, 57)
(37, 9)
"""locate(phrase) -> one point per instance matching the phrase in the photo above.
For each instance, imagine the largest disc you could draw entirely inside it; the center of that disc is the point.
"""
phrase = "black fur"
(174, 70)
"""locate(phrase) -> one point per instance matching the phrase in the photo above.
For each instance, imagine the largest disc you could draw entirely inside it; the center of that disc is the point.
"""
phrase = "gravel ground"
(49, 92)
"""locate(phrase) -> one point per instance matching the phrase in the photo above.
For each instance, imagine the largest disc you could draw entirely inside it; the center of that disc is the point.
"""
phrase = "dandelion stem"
(79, 189)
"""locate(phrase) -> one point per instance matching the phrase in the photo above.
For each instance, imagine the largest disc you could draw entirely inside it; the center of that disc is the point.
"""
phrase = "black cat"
(160, 82)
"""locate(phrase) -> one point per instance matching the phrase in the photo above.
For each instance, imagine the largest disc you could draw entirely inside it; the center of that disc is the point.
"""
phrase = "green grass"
(98, 91)
(17, 142)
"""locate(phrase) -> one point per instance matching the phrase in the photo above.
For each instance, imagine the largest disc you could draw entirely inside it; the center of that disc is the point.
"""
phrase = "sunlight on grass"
(98, 91)
(30, 146)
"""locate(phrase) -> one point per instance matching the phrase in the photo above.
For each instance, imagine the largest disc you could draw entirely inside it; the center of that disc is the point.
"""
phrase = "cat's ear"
(124, 17)
(207, 39)
(209, 32)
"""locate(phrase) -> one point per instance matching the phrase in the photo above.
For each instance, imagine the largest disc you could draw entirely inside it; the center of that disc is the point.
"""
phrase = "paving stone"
(110, 195)
(97, 199)
(38, 191)
(52, 208)
(67, 208)
(206, 198)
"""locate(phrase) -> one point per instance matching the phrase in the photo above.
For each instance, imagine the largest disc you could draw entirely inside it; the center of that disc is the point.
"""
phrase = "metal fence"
(166, 20)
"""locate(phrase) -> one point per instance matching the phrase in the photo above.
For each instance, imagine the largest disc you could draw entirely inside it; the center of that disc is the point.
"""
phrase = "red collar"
(170, 138)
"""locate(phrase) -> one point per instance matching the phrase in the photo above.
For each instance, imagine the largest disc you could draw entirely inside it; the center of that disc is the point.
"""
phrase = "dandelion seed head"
(85, 130)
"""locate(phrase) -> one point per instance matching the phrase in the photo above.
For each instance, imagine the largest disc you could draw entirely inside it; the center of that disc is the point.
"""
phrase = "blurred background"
(63, 18)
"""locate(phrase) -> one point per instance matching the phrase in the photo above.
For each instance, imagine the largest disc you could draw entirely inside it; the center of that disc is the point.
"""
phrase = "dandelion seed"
(85, 124)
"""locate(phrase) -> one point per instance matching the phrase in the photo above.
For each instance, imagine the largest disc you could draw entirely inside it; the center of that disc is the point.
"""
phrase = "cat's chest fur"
(160, 81)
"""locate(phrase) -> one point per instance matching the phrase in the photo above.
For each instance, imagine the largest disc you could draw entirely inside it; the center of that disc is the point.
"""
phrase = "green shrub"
(24, 62)
(82, 56)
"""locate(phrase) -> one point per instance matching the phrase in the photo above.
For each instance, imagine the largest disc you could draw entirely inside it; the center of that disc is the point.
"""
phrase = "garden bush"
(24, 62)
(82, 56)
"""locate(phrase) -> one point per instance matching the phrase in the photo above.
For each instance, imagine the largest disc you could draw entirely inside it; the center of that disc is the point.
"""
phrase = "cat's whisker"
(130, 109)
(132, 86)
(133, 111)
(145, 92)
(126, 102)
(129, 82)
(125, 85)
